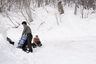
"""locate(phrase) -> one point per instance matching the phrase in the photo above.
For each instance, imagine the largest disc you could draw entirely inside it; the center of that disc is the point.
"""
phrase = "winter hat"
(36, 35)
(24, 22)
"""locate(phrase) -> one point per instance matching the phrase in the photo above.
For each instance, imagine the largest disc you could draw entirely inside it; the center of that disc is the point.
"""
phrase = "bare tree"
(75, 12)
(60, 7)
(46, 1)
(64, 2)
(1, 6)
(94, 5)
(27, 5)
(87, 6)
(39, 3)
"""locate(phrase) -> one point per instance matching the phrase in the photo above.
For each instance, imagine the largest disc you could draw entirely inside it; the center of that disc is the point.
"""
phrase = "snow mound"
(8, 53)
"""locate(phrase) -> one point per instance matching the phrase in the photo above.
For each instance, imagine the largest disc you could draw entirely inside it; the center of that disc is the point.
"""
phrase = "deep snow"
(73, 41)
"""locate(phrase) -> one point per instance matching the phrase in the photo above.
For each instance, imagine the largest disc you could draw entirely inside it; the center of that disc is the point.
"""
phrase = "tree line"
(29, 5)
(19, 4)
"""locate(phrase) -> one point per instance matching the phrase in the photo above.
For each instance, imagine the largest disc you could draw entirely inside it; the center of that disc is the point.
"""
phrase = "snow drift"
(8, 53)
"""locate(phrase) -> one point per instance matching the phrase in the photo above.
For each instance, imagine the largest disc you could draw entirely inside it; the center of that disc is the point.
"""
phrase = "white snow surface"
(73, 41)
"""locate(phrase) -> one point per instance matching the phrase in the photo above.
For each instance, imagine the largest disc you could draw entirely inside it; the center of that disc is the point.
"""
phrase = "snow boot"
(10, 41)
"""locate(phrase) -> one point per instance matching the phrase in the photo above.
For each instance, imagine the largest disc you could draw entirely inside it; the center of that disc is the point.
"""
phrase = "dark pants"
(28, 42)
(38, 43)
(24, 46)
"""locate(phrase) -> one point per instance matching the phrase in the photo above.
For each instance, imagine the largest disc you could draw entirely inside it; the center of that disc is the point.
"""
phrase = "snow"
(73, 41)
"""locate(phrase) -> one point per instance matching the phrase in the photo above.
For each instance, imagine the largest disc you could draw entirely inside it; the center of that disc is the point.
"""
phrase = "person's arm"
(34, 42)
(39, 41)
(25, 28)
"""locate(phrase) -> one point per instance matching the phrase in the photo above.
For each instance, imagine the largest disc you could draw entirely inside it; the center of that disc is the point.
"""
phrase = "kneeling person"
(36, 42)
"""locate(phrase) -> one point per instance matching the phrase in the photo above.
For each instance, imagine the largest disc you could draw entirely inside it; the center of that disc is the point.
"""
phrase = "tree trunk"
(46, 2)
(60, 8)
(1, 7)
(39, 2)
(75, 12)
(94, 5)
(82, 13)
(68, 3)
(64, 2)
(86, 4)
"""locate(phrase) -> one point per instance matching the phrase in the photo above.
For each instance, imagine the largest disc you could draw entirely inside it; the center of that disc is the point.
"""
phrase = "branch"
(40, 25)
(3, 5)
(24, 17)
(10, 18)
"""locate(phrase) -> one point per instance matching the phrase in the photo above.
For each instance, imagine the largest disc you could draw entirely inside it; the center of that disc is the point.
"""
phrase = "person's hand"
(36, 44)
(21, 37)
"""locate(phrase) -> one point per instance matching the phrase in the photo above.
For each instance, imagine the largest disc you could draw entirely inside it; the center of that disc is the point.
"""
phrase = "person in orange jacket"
(36, 42)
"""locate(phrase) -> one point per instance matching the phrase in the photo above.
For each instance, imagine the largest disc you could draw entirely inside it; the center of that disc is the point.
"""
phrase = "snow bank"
(5, 48)
(70, 27)
(8, 53)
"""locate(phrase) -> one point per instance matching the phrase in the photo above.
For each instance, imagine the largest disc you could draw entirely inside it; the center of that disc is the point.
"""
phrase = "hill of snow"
(73, 41)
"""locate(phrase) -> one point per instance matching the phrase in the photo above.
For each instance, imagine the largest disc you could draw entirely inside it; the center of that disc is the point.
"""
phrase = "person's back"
(26, 30)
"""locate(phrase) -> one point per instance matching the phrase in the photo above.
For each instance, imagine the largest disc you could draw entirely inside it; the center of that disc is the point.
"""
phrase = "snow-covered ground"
(73, 41)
